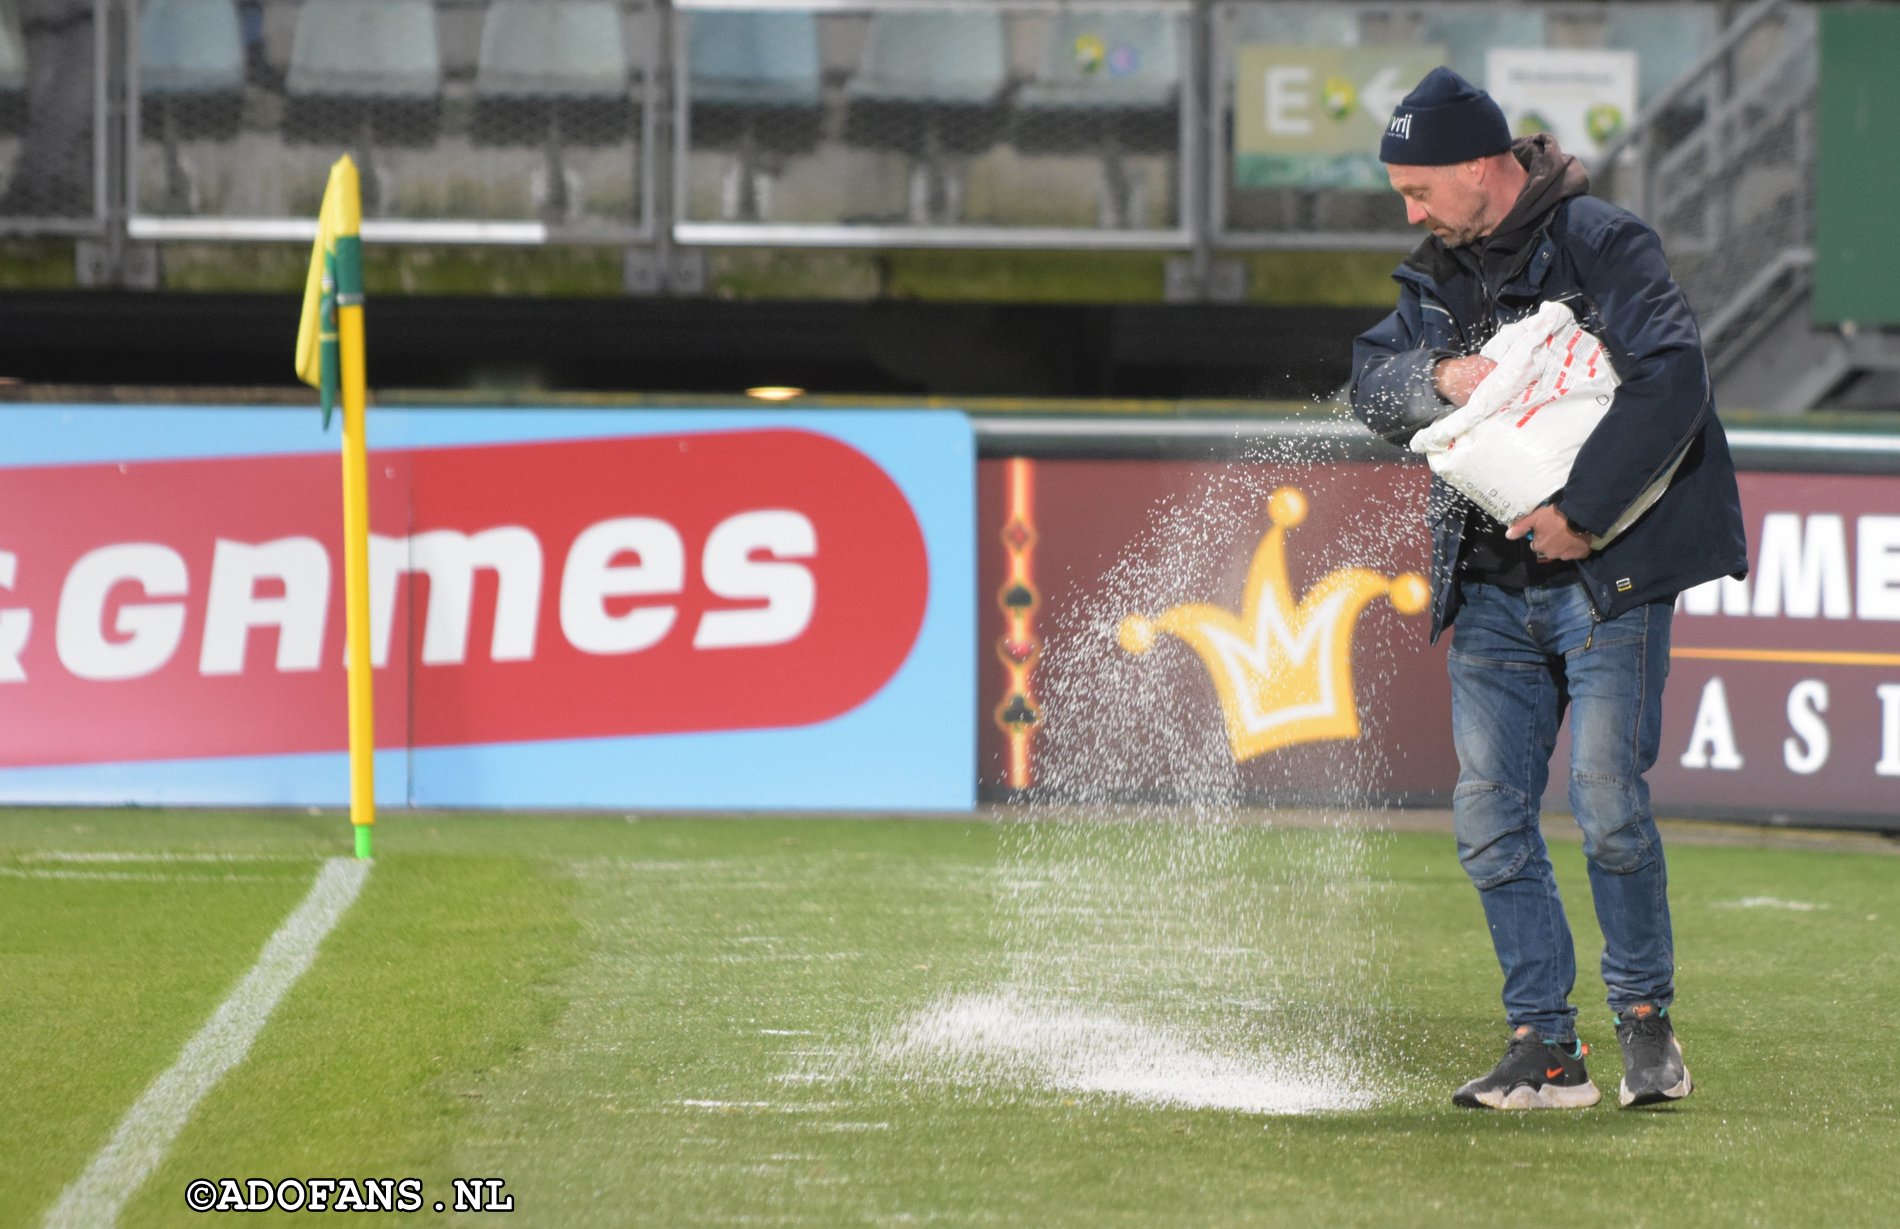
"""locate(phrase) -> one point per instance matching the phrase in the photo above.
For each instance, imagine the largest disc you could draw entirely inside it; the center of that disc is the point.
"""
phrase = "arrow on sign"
(1383, 94)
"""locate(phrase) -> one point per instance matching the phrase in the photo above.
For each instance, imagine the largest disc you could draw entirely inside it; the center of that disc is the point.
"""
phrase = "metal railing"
(965, 123)
(1723, 164)
(1172, 125)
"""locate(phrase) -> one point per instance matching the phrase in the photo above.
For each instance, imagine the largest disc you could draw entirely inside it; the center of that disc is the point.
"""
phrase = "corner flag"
(335, 281)
(330, 357)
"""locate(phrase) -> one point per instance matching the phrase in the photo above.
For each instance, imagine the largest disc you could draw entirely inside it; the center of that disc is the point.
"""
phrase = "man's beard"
(1470, 231)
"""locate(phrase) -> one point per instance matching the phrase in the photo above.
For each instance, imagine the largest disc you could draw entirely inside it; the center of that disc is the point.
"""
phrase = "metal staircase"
(1723, 165)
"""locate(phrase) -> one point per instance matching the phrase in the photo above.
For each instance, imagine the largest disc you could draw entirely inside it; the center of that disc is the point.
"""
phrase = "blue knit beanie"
(1445, 120)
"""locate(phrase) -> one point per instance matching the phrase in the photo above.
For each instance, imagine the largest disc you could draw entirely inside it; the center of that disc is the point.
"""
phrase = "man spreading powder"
(1546, 623)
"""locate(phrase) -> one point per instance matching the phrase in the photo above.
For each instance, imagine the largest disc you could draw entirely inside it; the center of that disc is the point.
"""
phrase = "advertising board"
(1311, 117)
(1784, 688)
(568, 608)
(1584, 98)
(1209, 619)
(1154, 628)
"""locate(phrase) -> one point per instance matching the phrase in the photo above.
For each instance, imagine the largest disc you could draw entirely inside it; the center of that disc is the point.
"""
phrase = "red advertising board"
(1155, 628)
(1784, 688)
(179, 609)
(1784, 692)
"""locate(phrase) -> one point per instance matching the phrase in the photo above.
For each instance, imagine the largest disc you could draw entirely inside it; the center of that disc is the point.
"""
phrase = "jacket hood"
(1554, 177)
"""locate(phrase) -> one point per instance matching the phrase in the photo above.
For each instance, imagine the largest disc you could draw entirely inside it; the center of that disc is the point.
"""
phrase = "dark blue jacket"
(1610, 265)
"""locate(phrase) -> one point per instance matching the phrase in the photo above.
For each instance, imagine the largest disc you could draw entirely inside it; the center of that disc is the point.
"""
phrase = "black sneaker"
(1534, 1074)
(1653, 1070)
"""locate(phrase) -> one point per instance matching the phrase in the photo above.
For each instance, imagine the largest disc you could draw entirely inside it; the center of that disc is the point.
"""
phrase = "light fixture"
(775, 392)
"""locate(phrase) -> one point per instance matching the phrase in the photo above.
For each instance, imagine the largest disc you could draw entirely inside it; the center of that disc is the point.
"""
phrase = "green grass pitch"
(684, 1022)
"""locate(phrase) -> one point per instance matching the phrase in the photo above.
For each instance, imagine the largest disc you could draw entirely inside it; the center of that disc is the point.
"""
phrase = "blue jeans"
(1518, 660)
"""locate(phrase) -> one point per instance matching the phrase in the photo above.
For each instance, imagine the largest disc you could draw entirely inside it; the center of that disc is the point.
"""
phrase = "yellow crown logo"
(1283, 671)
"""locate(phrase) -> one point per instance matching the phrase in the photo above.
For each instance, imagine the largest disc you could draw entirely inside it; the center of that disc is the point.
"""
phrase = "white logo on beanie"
(1401, 126)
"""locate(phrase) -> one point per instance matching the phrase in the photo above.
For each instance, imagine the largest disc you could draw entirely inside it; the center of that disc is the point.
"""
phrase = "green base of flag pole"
(363, 841)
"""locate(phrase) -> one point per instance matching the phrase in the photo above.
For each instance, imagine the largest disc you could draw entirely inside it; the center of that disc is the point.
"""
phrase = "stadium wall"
(860, 609)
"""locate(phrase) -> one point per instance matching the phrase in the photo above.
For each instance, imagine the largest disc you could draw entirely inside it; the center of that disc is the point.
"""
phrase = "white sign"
(1583, 98)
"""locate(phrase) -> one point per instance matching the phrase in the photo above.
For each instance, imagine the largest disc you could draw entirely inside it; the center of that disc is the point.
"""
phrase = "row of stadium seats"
(784, 100)
(756, 75)
(545, 61)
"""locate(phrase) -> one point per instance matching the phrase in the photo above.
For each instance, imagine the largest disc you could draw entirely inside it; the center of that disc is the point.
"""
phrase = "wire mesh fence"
(51, 116)
(1077, 123)
(893, 120)
(1726, 172)
(455, 110)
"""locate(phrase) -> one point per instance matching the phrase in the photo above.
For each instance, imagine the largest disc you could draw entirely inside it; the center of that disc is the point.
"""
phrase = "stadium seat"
(754, 82)
(552, 69)
(366, 69)
(753, 76)
(191, 69)
(1105, 78)
(929, 79)
(931, 85)
(12, 71)
(1109, 84)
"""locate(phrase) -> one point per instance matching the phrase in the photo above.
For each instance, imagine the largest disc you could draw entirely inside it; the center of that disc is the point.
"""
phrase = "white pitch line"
(15, 872)
(118, 855)
(146, 1133)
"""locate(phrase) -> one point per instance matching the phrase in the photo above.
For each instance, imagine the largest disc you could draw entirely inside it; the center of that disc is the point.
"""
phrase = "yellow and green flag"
(335, 281)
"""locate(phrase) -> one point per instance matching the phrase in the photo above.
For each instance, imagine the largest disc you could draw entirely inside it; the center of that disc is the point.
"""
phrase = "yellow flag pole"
(330, 356)
(354, 381)
(356, 582)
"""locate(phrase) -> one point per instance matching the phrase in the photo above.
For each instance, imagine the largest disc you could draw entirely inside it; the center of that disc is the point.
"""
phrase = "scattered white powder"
(1770, 902)
(1182, 958)
(986, 1038)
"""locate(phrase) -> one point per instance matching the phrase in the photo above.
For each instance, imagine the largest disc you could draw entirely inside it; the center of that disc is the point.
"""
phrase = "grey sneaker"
(1653, 1070)
(1534, 1074)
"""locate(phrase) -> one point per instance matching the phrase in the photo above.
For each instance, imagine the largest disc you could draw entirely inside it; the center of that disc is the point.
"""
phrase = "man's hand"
(1456, 378)
(1550, 534)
